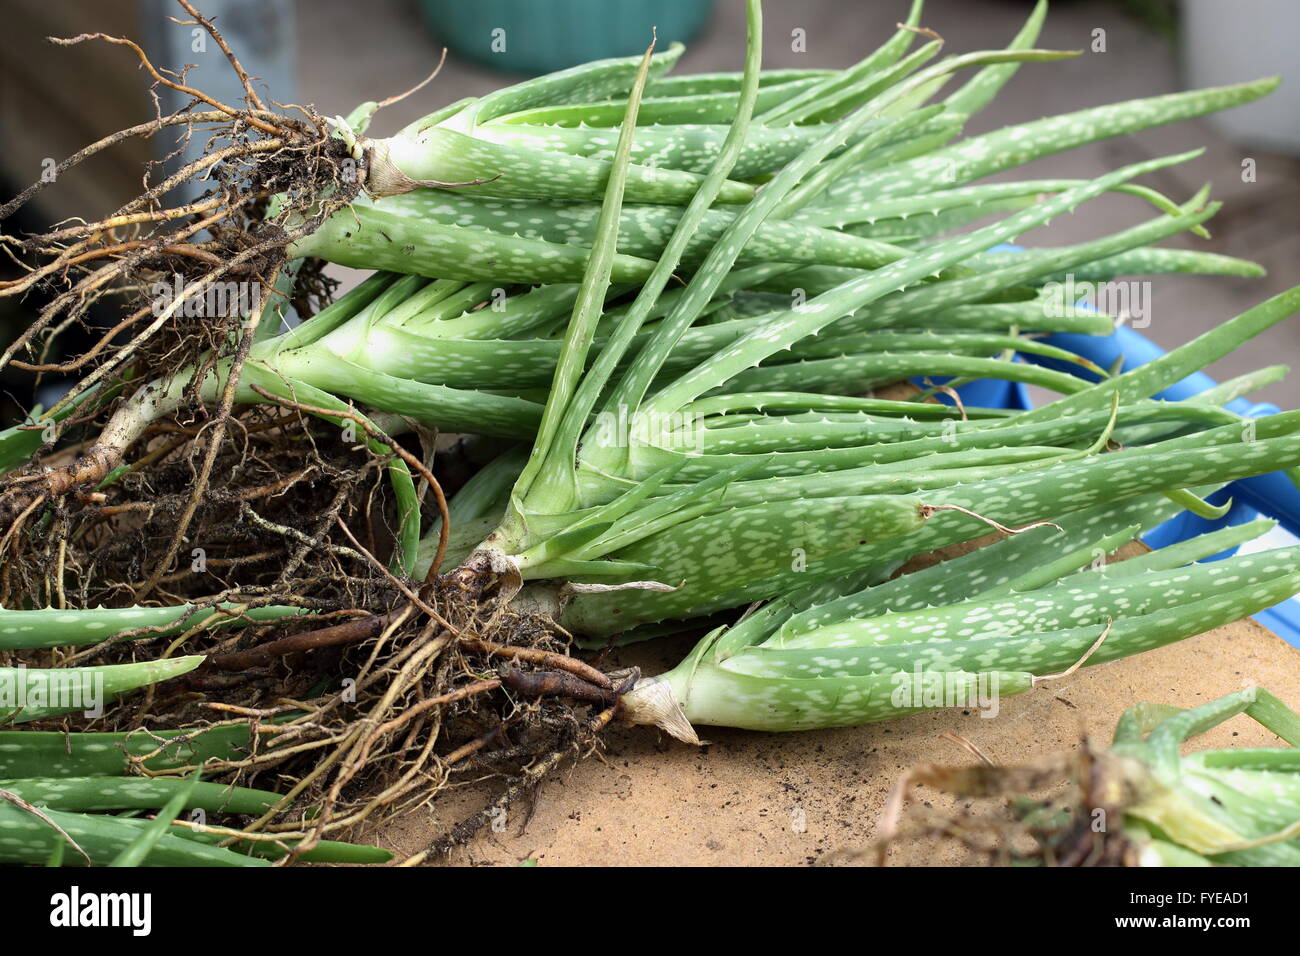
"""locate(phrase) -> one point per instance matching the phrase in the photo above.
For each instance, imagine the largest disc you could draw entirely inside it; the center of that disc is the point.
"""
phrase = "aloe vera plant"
(1234, 806)
(955, 635)
(446, 381)
(567, 509)
(674, 292)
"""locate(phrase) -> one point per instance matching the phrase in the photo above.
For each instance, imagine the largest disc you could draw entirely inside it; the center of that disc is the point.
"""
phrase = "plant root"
(999, 823)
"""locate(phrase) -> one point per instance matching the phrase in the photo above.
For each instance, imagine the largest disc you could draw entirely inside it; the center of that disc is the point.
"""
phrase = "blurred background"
(338, 53)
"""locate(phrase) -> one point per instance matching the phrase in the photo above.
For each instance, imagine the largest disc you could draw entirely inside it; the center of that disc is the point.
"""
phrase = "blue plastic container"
(1272, 496)
(540, 36)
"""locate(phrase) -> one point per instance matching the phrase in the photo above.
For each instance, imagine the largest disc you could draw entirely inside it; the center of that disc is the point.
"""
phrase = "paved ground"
(346, 57)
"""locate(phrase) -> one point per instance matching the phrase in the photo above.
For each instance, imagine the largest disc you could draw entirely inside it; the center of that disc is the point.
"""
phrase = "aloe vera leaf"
(451, 409)
(875, 480)
(713, 695)
(508, 317)
(33, 753)
(697, 84)
(1026, 316)
(325, 851)
(804, 401)
(1052, 571)
(97, 794)
(1180, 552)
(862, 89)
(689, 107)
(367, 236)
(926, 204)
(905, 231)
(598, 79)
(102, 837)
(829, 170)
(981, 89)
(1275, 796)
(447, 155)
(910, 440)
(1015, 145)
(31, 693)
(53, 627)
(859, 373)
(741, 542)
(1061, 606)
(690, 146)
(944, 342)
(135, 852)
(643, 229)
(1180, 362)
(1148, 261)
(1271, 759)
(1167, 737)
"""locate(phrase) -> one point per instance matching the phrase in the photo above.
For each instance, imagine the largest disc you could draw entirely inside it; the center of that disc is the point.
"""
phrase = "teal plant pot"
(539, 36)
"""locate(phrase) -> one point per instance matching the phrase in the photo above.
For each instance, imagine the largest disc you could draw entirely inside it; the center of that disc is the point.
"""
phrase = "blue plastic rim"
(1272, 496)
(541, 36)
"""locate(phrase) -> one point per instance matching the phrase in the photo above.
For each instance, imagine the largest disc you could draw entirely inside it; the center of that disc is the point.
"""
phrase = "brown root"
(388, 694)
(228, 234)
